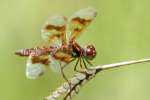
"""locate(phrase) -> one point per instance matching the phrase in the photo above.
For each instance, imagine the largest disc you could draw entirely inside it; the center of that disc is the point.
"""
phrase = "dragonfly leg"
(79, 61)
(66, 79)
(64, 76)
(75, 67)
(88, 62)
(85, 65)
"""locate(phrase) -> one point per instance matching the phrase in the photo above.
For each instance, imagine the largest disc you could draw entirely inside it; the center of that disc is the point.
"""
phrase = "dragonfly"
(61, 33)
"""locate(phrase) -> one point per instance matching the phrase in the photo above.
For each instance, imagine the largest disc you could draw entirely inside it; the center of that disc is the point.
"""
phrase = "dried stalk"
(80, 79)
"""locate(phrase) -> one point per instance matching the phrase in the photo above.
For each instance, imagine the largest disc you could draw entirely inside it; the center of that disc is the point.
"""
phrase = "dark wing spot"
(81, 21)
(40, 59)
(52, 27)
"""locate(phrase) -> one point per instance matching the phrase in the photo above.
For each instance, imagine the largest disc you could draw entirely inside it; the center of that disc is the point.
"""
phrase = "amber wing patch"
(54, 30)
(36, 66)
(80, 20)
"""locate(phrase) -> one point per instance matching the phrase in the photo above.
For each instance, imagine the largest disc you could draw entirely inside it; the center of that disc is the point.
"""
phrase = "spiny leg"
(80, 62)
(66, 79)
(88, 62)
(81, 65)
(84, 63)
(75, 67)
(64, 76)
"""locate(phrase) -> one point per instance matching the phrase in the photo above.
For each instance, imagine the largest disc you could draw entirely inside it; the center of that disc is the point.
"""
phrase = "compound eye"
(90, 52)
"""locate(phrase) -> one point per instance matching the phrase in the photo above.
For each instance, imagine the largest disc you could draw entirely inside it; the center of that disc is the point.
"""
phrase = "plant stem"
(79, 79)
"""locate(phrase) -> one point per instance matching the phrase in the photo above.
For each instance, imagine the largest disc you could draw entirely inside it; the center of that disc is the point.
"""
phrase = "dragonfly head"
(90, 52)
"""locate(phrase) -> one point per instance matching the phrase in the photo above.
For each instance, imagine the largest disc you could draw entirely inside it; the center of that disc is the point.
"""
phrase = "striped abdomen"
(36, 51)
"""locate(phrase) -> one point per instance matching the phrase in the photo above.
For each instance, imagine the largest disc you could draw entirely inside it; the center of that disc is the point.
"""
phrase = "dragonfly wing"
(80, 20)
(36, 66)
(54, 30)
(55, 65)
(59, 60)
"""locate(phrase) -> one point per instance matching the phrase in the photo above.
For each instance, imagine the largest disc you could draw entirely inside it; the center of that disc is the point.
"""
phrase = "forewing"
(36, 66)
(80, 20)
(54, 29)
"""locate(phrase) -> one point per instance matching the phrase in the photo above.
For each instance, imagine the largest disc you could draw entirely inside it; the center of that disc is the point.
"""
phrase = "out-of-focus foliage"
(119, 32)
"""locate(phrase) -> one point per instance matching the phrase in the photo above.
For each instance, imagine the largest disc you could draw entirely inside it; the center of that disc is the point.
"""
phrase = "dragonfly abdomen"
(35, 51)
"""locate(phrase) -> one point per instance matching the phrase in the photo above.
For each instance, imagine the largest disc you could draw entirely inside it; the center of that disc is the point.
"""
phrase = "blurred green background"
(120, 32)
